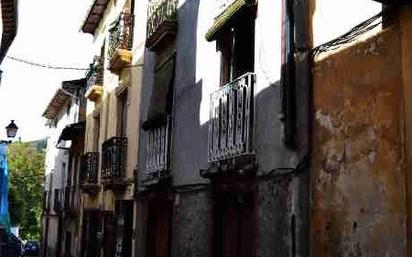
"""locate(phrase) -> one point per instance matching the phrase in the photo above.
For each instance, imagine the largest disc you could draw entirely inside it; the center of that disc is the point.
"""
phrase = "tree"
(26, 169)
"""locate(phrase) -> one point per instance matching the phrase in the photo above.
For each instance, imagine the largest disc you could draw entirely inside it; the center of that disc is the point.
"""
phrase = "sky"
(49, 33)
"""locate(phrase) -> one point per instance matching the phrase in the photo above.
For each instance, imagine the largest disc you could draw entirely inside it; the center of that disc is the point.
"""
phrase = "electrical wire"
(349, 36)
(48, 66)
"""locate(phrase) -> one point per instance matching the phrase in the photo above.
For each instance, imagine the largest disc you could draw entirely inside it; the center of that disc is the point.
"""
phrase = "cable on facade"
(281, 172)
(191, 187)
(349, 36)
(47, 66)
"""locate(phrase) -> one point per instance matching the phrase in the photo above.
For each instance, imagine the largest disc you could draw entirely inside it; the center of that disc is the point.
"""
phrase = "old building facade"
(65, 115)
(219, 171)
(111, 137)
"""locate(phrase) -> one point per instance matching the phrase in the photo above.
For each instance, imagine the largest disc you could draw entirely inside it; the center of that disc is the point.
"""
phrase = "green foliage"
(26, 169)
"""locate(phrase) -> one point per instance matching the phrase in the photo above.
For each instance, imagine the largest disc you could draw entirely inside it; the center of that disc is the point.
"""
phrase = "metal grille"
(94, 75)
(159, 12)
(157, 151)
(89, 168)
(114, 153)
(231, 119)
(121, 35)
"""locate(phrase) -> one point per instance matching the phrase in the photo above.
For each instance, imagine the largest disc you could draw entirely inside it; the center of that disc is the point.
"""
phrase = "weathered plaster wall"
(358, 188)
(52, 237)
(405, 23)
(192, 223)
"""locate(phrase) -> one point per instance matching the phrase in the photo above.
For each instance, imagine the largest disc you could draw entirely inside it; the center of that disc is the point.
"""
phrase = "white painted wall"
(56, 157)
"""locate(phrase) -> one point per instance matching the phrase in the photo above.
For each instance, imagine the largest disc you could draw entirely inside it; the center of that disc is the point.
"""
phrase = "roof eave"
(9, 14)
(56, 104)
(97, 9)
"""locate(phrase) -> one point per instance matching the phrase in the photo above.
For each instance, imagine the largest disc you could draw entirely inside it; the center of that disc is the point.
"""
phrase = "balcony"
(94, 80)
(114, 157)
(157, 154)
(161, 23)
(89, 169)
(231, 123)
(70, 200)
(121, 42)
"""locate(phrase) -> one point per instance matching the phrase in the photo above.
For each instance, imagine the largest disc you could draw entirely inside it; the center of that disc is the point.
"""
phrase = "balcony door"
(236, 46)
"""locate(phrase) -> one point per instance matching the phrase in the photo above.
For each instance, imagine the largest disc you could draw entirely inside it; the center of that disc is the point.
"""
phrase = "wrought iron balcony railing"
(121, 34)
(114, 156)
(158, 152)
(94, 75)
(89, 168)
(231, 120)
(162, 19)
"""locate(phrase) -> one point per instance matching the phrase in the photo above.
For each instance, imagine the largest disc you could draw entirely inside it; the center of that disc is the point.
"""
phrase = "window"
(96, 133)
(161, 100)
(236, 45)
(68, 109)
(122, 114)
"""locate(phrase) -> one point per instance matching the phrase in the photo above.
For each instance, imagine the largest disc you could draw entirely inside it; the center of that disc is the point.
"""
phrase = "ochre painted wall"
(405, 24)
(358, 201)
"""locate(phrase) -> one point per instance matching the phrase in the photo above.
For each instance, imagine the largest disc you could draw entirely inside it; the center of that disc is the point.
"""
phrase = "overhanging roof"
(72, 130)
(73, 85)
(94, 16)
(394, 2)
(62, 96)
(58, 101)
(9, 16)
(226, 16)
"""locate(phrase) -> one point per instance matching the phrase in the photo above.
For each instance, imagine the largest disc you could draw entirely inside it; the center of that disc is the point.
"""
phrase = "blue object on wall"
(4, 186)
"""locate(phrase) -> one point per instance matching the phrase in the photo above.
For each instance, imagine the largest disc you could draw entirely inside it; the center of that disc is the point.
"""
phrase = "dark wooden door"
(159, 224)
(124, 228)
(109, 234)
(68, 244)
(235, 225)
(91, 226)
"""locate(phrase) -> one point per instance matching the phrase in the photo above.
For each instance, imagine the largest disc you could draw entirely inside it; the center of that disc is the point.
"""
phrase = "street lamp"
(11, 129)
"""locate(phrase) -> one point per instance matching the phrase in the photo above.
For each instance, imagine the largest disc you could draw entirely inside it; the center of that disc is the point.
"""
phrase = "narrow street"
(206, 128)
